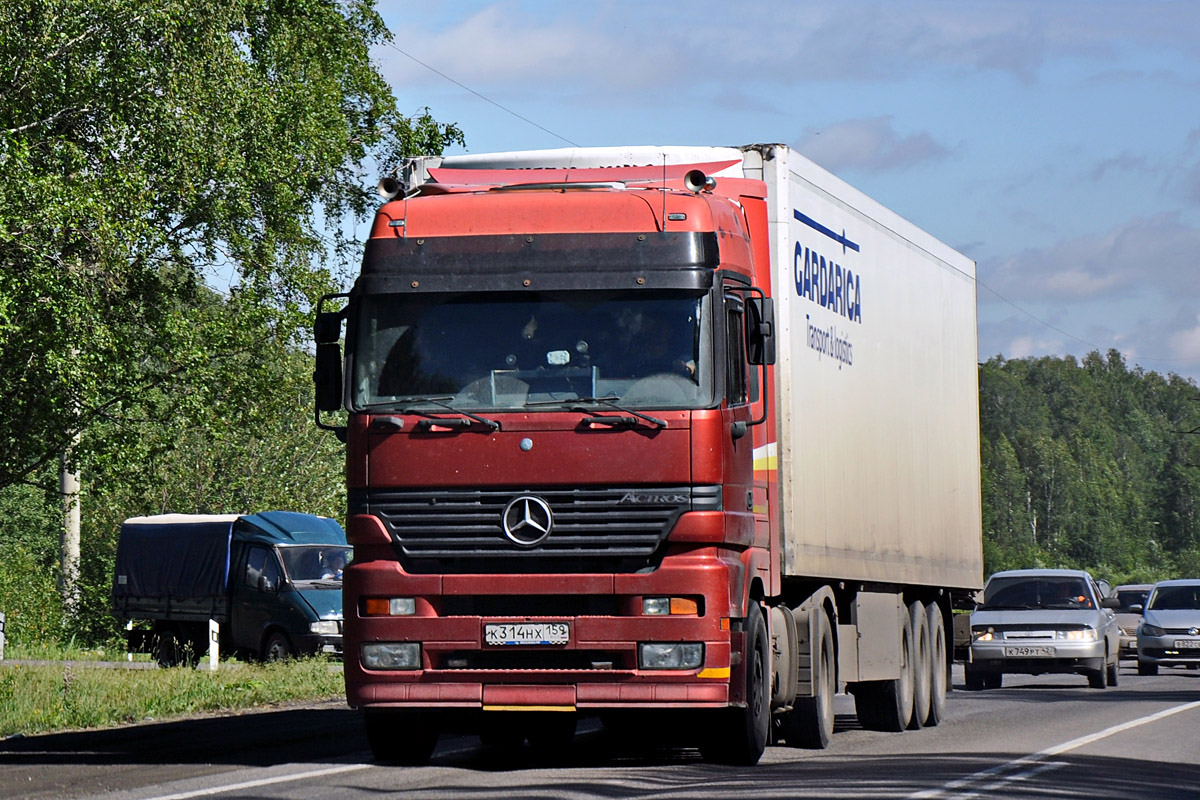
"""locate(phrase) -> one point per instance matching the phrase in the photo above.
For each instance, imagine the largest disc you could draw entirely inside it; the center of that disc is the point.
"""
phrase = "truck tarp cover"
(183, 558)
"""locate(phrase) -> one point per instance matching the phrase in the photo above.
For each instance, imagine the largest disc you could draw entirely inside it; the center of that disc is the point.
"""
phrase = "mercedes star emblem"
(527, 520)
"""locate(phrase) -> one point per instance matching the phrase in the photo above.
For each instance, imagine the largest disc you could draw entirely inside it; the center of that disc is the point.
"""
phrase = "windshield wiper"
(411, 407)
(609, 401)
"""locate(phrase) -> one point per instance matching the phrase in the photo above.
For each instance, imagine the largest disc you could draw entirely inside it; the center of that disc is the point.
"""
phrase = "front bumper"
(597, 668)
(1169, 650)
(1029, 658)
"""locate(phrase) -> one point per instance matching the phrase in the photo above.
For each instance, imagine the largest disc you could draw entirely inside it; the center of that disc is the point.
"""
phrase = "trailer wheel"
(739, 736)
(406, 738)
(888, 705)
(922, 665)
(167, 650)
(940, 685)
(810, 723)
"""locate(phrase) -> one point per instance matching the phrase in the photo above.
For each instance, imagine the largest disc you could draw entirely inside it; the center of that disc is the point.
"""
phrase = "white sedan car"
(1169, 635)
(1036, 621)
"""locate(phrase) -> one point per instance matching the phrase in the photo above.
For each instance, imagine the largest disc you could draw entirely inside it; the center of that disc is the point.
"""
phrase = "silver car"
(1169, 635)
(1131, 598)
(1035, 621)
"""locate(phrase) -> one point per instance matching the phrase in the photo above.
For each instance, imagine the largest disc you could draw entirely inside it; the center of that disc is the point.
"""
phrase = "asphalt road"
(1038, 737)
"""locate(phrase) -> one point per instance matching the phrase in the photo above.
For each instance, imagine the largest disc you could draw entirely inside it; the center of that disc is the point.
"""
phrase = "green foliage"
(149, 148)
(1090, 464)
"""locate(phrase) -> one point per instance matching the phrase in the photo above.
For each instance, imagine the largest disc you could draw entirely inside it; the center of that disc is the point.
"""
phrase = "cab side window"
(735, 347)
(261, 563)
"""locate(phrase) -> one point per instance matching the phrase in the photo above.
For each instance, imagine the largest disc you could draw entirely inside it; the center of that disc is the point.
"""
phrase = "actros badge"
(527, 520)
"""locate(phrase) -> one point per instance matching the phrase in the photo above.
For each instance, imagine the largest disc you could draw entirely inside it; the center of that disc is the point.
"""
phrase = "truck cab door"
(741, 388)
(256, 596)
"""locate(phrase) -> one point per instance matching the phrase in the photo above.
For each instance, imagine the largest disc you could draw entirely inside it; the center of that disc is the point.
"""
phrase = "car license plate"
(1187, 644)
(1029, 652)
(508, 633)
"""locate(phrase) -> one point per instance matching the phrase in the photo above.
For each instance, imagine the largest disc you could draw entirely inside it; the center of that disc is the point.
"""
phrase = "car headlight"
(324, 627)
(1077, 635)
(674, 655)
(983, 634)
(1151, 630)
(391, 655)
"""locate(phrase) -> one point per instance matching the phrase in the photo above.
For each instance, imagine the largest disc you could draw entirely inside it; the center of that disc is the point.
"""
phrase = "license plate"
(1187, 644)
(1028, 652)
(508, 633)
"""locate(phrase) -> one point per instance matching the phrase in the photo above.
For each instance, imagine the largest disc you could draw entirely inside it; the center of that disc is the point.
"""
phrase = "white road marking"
(1037, 762)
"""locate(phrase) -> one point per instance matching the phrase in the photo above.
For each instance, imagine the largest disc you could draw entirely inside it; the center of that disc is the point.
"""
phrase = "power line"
(481, 96)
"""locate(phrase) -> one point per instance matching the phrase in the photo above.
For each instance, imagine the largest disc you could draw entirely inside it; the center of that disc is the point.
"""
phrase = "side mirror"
(265, 584)
(1110, 602)
(760, 331)
(1137, 608)
(328, 377)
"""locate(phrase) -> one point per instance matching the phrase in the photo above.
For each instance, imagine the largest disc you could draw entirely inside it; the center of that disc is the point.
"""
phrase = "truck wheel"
(277, 647)
(406, 738)
(888, 705)
(739, 737)
(940, 677)
(922, 665)
(810, 723)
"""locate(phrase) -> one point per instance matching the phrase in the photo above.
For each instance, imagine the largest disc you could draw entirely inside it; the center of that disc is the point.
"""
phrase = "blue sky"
(1056, 143)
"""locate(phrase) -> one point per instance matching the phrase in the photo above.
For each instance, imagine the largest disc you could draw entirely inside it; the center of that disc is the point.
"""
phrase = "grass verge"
(45, 698)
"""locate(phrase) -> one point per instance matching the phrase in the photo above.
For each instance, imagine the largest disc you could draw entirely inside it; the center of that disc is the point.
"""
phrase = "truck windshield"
(315, 562)
(485, 351)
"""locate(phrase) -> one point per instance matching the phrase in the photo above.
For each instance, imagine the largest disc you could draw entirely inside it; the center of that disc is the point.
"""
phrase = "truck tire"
(168, 651)
(935, 623)
(888, 705)
(739, 735)
(922, 665)
(398, 737)
(277, 647)
(810, 722)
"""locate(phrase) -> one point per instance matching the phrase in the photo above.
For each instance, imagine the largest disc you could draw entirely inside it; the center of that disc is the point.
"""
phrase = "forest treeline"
(1090, 464)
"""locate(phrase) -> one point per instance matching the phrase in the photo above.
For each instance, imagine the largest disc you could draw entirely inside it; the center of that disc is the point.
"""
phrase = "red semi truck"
(682, 435)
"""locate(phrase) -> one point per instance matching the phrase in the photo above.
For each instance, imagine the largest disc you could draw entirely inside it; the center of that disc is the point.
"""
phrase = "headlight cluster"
(324, 627)
(1077, 635)
(673, 655)
(1151, 630)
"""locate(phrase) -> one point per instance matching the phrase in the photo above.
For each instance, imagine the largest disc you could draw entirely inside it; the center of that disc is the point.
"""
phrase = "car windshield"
(315, 562)
(490, 351)
(1041, 592)
(1130, 598)
(1176, 598)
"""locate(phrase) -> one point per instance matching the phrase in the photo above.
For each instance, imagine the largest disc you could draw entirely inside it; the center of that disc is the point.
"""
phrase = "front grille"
(603, 529)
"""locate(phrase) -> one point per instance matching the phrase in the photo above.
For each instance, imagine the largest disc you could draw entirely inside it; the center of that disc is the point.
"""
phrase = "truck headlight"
(391, 655)
(674, 655)
(389, 606)
(324, 627)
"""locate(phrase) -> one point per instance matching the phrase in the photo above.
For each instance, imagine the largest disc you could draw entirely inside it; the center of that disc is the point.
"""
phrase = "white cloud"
(1161, 251)
(1185, 344)
(872, 144)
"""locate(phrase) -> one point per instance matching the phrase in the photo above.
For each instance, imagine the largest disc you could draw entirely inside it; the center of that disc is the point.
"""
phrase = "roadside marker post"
(214, 638)
(1, 635)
